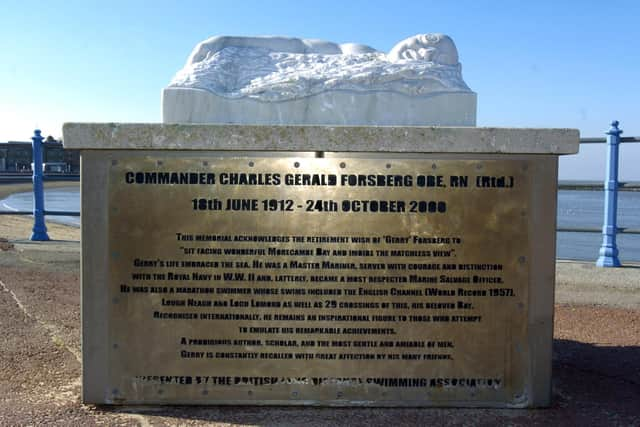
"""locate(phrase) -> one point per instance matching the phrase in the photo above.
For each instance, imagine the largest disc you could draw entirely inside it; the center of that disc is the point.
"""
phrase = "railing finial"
(609, 249)
(614, 130)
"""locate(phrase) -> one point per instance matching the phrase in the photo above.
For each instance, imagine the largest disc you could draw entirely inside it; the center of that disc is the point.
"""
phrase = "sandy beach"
(596, 347)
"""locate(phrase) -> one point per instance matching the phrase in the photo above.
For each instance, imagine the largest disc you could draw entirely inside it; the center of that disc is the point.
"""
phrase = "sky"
(566, 64)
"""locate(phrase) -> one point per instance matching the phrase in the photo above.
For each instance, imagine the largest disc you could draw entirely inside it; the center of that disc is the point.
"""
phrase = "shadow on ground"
(592, 385)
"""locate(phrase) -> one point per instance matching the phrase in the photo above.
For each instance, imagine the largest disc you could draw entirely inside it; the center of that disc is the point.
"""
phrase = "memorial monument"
(279, 80)
(300, 232)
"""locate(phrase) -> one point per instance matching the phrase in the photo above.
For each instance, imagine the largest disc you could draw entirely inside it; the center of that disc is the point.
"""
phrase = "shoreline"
(17, 228)
(8, 189)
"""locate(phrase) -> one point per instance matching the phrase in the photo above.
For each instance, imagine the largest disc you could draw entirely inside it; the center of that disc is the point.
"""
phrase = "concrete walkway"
(584, 283)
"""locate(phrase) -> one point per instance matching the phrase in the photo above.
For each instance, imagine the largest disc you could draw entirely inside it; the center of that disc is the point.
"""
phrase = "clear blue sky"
(533, 64)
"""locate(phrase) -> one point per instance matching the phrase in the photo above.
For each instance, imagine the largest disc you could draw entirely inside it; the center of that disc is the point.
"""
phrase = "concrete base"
(111, 151)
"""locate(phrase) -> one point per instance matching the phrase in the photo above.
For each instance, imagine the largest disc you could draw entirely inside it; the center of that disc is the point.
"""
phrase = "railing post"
(39, 227)
(609, 249)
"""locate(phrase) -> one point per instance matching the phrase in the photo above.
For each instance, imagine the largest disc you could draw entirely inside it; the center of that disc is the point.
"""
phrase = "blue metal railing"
(608, 250)
(39, 227)
(39, 212)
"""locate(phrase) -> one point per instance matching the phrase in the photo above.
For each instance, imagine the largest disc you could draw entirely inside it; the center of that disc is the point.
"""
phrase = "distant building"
(16, 156)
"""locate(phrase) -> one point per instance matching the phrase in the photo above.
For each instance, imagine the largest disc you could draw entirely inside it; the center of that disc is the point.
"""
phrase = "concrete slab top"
(418, 139)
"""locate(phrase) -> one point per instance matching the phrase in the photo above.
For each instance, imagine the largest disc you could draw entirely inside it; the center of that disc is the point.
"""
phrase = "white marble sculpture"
(279, 80)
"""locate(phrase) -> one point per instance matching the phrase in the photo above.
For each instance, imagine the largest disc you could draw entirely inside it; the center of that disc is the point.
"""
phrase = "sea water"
(585, 209)
(59, 199)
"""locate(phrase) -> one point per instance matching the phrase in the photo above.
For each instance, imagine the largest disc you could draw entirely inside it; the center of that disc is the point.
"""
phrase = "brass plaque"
(318, 281)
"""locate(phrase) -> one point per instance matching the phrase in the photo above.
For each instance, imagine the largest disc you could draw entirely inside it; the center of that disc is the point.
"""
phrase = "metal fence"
(39, 212)
(608, 250)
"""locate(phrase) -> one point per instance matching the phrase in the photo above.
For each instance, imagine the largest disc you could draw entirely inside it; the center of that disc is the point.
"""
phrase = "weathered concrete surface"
(145, 136)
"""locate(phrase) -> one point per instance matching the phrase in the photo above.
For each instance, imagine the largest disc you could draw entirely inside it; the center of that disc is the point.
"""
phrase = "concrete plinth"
(316, 265)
